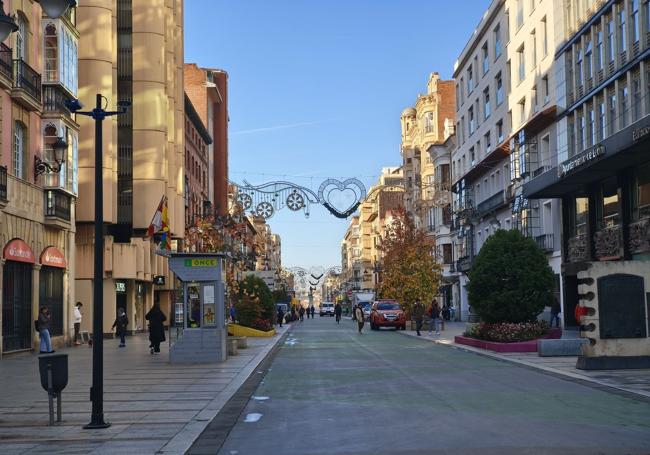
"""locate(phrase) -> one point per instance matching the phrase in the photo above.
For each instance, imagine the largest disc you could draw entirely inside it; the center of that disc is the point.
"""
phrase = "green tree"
(256, 289)
(409, 269)
(510, 280)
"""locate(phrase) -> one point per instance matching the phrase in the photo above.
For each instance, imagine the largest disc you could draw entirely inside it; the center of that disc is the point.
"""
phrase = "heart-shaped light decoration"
(341, 198)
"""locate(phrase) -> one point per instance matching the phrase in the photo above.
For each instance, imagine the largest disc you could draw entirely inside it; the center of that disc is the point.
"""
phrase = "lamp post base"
(97, 424)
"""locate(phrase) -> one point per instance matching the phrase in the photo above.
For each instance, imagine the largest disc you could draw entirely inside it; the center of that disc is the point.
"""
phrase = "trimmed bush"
(510, 280)
(507, 332)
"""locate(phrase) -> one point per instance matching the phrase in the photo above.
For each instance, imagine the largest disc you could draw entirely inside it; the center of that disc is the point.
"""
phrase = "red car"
(387, 313)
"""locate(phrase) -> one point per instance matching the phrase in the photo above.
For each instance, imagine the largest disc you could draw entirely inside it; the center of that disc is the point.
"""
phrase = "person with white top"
(77, 323)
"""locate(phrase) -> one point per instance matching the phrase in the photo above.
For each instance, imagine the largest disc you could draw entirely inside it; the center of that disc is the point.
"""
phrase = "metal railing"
(6, 61)
(57, 204)
(3, 183)
(54, 99)
(27, 79)
(491, 203)
(545, 242)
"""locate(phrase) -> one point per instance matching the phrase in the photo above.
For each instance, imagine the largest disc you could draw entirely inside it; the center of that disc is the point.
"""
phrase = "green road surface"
(332, 391)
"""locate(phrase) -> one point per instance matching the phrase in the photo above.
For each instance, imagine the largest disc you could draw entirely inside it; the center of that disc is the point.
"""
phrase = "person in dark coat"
(120, 324)
(337, 312)
(301, 312)
(418, 315)
(156, 329)
(555, 313)
(280, 316)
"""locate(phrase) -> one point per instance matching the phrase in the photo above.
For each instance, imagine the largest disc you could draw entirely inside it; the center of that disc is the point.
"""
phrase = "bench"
(560, 347)
(231, 345)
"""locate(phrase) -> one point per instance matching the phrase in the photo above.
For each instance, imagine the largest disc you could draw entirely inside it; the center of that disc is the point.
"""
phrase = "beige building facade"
(131, 50)
(37, 190)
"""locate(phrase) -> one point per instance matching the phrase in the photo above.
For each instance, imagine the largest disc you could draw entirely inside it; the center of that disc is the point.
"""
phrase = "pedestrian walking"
(156, 317)
(294, 314)
(312, 310)
(280, 316)
(434, 317)
(418, 315)
(120, 324)
(338, 309)
(43, 328)
(232, 313)
(301, 312)
(555, 314)
(77, 323)
(358, 313)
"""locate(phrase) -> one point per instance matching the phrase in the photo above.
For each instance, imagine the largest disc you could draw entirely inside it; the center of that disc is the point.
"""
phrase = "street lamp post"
(97, 390)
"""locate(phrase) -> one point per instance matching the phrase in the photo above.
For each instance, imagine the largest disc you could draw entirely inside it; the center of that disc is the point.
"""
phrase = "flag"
(160, 221)
(165, 244)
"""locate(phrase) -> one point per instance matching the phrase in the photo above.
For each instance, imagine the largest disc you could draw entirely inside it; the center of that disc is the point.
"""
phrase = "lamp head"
(7, 24)
(73, 105)
(56, 8)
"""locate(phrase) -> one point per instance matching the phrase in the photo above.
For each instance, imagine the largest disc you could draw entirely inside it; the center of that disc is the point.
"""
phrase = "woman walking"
(120, 324)
(156, 329)
(358, 313)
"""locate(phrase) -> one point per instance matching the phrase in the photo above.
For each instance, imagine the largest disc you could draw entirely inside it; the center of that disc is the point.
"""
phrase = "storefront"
(51, 287)
(17, 312)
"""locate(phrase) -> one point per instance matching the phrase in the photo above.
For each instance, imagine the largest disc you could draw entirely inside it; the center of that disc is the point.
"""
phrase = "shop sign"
(18, 250)
(586, 157)
(640, 133)
(200, 263)
(120, 286)
(52, 257)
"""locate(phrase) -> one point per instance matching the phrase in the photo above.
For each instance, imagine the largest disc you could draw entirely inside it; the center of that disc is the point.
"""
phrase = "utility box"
(199, 311)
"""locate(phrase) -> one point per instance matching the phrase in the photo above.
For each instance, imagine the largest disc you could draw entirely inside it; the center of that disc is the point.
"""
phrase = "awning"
(53, 257)
(17, 250)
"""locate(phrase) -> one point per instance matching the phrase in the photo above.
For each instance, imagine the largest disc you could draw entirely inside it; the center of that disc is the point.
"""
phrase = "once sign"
(200, 262)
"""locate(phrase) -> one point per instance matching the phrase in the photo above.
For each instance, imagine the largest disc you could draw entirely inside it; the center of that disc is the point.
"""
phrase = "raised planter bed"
(518, 346)
(241, 331)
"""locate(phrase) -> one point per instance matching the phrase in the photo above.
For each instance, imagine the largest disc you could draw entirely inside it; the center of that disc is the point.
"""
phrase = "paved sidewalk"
(154, 407)
(632, 381)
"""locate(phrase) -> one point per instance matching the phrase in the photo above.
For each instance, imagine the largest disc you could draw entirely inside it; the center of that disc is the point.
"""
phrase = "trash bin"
(58, 364)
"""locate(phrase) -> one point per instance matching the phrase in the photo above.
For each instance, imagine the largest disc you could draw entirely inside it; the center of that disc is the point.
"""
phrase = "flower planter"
(517, 346)
(241, 331)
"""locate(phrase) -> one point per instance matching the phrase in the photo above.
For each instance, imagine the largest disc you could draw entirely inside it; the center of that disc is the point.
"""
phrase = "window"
(535, 100)
(612, 112)
(545, 158)
(18, 158)
(571, 137)
(498, 45)
(581, 211)
(486, 62)
(428, 122)
(647, 15)
(579, 76)
(472, 123)
(499, 89)
(520, 13)
(622, 35)
(472, 155)
(545, 89)
(636, 94)
(599, 50)
(641, 197)
(470, 80)
(580, 126)
(607, 209)
(51, 53)
(544, 38)
(591, 127)
(588, 65)
(623, 95)
(487, 138)
(486, 102)
(522, 110)
(602, 125)
(522, 63)
(500, 131)
(634, 21)
(533, 42)
(21, 37)
(610, 40)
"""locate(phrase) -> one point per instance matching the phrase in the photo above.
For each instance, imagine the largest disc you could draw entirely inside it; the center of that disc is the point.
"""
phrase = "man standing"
(418, 315)
(77, 323)
(555, 313)
(434, 317)
(44, 319)
(337, 312)
(358, 313)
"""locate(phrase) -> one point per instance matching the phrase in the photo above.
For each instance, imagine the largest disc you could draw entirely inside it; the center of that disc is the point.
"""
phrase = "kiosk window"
(194, 306)
(209, 306)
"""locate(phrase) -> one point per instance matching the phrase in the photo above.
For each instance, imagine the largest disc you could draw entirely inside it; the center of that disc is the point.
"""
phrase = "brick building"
(197, 142)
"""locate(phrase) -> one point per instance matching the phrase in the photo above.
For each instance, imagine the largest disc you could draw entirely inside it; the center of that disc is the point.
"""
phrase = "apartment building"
(422, 126)
(39, 140)
(480, 163)
(356, 274)
(602, 174)
(131, 50)
(197, 166)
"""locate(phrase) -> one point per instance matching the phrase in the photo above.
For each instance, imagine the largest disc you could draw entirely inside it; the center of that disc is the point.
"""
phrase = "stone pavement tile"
(135, 447)
(14, 449)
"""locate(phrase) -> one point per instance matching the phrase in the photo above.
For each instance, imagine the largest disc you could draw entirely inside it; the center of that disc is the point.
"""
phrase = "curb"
(566, 375)
(185, 438)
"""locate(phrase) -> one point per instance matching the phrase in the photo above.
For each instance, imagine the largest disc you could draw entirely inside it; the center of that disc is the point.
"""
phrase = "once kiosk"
(199, 308)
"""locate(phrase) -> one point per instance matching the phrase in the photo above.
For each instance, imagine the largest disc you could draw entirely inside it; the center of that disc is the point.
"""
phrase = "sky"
(316, 89)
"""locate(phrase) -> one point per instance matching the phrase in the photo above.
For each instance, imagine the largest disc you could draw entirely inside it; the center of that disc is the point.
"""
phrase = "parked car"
(367, 309)
(326, 309)
(387, 313)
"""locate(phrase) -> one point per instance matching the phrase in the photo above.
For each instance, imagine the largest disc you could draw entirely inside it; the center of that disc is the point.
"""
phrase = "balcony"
(58, 205)
(490, 204)
(6, 67)
(464, 264)
(545, 242)
(608, 243)
(54, 99)
(27, 86)
(577, 248)
(639, 236)
(3, 185)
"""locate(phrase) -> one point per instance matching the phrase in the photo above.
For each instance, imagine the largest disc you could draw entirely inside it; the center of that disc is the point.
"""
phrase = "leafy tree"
(510, 280)
(248, 311)
(281, 296)
(409, 269)
(256, 289)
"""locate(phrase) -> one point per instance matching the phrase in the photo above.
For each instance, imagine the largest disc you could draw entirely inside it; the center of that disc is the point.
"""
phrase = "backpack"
(37, 326)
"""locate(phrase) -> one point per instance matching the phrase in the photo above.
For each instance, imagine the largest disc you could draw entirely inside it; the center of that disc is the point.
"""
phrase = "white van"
(327, 308)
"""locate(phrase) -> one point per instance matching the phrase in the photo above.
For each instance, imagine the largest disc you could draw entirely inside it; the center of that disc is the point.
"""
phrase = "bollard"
(53, 370)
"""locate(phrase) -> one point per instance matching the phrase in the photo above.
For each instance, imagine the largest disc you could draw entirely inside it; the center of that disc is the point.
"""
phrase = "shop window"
(642, 193)
(608, 205)
(51, 296)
